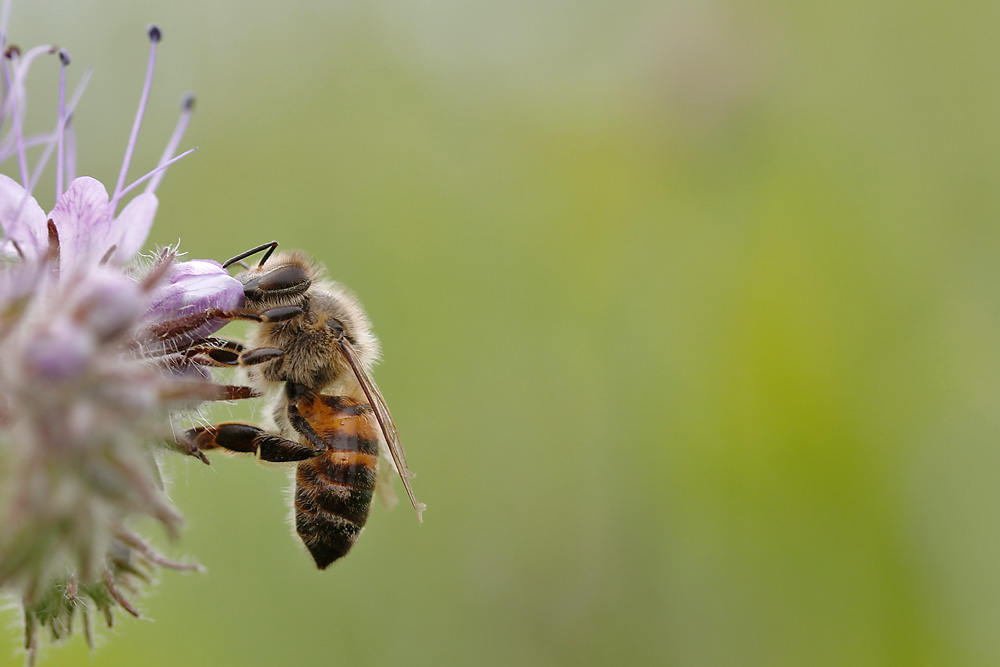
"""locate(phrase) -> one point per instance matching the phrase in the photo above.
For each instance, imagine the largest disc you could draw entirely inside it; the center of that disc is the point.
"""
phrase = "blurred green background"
(689, 312)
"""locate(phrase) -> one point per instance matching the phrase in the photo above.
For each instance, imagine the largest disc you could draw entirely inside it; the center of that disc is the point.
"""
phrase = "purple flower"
(196, 286)
(95, 341)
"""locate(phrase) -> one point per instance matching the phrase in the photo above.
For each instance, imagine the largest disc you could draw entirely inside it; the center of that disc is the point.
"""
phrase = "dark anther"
(187, 102)
(154, 33)
(64, 56)
(11, 51)
(109, 254)
(53, 241)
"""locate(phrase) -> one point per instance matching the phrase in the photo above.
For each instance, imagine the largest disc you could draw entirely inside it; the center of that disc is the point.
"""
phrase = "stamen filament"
(37, 140)
(187, 104)
(50, 144)
(70, 133)
(7, 88)
(139, 181)
(14, 103)
(61, 123)
(154, 38)
(50, 141)
(15, 123)
(20, 66)
(19, 72)
(70, 151)
(4, 22)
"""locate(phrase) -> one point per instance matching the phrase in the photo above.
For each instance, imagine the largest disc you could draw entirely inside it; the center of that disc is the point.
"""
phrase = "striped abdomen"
(333, 491)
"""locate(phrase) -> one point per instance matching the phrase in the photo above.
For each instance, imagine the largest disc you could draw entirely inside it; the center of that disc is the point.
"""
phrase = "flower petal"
(82, 218)
(131, 227)
(21, 218)
(196, 286)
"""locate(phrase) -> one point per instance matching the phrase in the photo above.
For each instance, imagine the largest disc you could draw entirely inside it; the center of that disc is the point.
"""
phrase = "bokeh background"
(689, 309)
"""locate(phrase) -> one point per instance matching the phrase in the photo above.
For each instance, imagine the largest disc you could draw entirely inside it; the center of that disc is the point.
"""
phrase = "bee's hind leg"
(229, 353)
(244, 438)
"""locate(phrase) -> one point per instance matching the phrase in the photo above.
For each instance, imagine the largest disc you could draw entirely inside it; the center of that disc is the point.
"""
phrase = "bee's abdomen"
(333, 491)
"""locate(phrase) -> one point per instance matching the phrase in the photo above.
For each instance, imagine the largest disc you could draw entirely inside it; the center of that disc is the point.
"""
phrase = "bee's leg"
(279, 314)
(215, 351)
(260, 355)
(246, 438)
(211, 343)
(236, 392)
(184, 325)
(304, 428)
(227, 356)
(179, 328)
(296, 392)
(225, 352)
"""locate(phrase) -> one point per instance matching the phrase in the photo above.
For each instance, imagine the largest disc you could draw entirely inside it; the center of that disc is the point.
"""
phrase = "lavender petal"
(195, 286)
(81, 216)
(131, 227)
(21, 218)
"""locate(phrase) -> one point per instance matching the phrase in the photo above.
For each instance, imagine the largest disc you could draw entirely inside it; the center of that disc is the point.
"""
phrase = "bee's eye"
(288, 279)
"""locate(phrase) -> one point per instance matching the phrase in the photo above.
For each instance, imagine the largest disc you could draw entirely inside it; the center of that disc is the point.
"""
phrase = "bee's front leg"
(224, 352)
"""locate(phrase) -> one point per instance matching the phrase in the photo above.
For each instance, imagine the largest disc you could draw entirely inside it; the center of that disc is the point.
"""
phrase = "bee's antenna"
(269, 247)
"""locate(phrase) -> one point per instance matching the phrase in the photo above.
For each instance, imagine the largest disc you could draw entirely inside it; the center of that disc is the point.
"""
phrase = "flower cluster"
(98, 349)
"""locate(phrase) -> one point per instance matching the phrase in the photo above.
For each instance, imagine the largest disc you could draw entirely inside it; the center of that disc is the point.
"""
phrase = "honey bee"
(313, 349)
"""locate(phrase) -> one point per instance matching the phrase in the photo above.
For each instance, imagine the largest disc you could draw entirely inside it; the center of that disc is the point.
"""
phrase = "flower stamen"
(159, 170)
(53, 244)
(187, 105)
(15, 102)
(22, 158)
(154, 37)
(108, 255)
(61, 123)
(71, 148)
(100, 351)
(4, 22)
(50, 140)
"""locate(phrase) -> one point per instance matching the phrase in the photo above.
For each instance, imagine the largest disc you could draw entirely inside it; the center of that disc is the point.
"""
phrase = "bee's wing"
(383, 481)
(384, 421)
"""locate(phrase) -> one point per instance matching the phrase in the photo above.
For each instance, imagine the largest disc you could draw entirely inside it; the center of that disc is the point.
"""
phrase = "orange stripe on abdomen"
(343, 424)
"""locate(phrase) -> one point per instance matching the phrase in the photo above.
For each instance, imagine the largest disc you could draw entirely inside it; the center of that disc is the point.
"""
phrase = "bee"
(313, 349)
